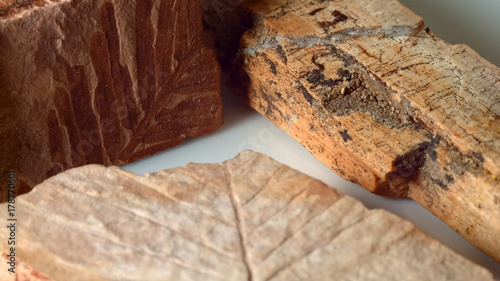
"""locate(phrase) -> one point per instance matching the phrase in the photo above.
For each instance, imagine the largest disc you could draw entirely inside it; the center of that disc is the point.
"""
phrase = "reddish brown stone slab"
(104, 82)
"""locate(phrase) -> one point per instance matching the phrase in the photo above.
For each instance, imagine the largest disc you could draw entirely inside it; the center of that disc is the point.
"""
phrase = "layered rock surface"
(104, 82)
(250, 218)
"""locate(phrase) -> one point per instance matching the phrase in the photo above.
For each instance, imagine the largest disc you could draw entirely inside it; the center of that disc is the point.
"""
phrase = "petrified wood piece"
(101, 81)
(249, 218)
(373, 94)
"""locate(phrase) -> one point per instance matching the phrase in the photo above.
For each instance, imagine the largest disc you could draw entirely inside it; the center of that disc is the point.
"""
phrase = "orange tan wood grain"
(375, 95)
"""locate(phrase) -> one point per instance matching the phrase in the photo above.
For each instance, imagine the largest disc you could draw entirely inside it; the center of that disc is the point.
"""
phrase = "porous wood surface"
(372, 93)
(104, 82)
(250, 218)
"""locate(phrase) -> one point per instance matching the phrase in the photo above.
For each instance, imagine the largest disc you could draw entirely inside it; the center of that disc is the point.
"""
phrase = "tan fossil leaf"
(250, 218)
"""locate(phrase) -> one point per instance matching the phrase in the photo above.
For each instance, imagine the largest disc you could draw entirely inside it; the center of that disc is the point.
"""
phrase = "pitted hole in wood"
(460, 163)
(358, 92)
(354, 89)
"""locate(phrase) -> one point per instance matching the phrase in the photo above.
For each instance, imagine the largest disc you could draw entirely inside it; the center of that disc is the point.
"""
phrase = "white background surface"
(475, 23)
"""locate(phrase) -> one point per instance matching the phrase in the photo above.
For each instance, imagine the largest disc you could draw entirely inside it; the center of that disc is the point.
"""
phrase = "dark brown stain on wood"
(345, 136)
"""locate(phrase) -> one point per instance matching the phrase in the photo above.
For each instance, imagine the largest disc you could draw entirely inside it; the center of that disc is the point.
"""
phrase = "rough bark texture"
(373, 94)
(249, 218)
(102, 81)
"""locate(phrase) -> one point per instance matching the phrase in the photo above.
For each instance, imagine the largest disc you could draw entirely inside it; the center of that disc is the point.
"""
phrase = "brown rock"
(373, 94)
(104, 82)
(249, 218)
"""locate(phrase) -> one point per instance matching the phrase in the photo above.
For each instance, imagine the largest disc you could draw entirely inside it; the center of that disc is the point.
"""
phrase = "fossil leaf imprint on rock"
(124, 81)
(170, 62)
(250, 218)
